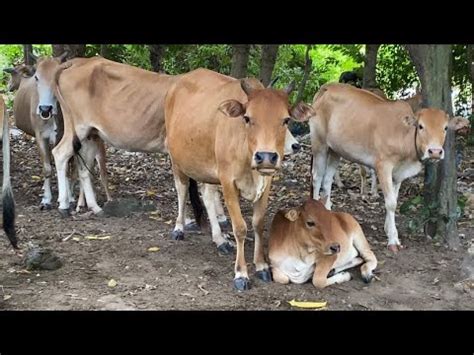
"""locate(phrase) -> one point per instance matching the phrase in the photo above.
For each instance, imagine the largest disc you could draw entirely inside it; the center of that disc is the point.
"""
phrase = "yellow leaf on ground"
(169, 222)
(153, 249)
(76, 239)
(7, 297)
(298, 304)
(112, 283)
(35, 177)
(150, 193)
(90, 237)
(154, 218)
(155, 212)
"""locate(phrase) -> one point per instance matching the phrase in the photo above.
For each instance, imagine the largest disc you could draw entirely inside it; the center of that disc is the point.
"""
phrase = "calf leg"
(231, 197)
(318, 169)
(258, 222)
(353, 263)
(331, 168)
(322, 269)
(279, 276)
(208, 194)
(384, 172)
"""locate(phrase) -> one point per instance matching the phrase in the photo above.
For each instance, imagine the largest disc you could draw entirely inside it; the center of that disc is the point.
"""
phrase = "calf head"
(266, 115)
(17, 73)
(431, 127)
(317, 225)
(46, 68)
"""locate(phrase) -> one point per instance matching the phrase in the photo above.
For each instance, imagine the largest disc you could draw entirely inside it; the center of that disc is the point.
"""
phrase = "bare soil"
(191, 274)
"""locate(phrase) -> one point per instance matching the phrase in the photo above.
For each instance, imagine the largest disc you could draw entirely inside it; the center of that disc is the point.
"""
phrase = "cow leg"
(88, 153)
(258, 223)
(81, 202)
(101, 158)
(353, 263)
(181, 182)
(363, 179)
(46, 160)
(208, 194)
(373, 183)
(221, 217)
(331, 168)
(231, 197)
(337, 180)
(279, 276)
(384, 173)
(62, 153)
(321, 271)
(318, 170)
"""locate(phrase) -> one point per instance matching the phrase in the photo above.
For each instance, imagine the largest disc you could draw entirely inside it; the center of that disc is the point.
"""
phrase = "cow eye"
(36, 78)
(286, 121)
(420, 126)
(247, 119)
(310, 224)
(445, 128)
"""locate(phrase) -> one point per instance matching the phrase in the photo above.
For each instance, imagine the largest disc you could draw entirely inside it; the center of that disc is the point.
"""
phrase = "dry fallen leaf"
(7, 297)
(153, 249)
(311, 305)
(155, 218)
(76, 239)
(169, 222)
(112, 283)
(36, 178)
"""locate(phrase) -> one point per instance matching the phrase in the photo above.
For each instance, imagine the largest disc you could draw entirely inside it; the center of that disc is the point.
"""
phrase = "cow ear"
(410, 120)
(301, 112)
(292, 215)
(232, 108)
(458, 122)
(9, 70)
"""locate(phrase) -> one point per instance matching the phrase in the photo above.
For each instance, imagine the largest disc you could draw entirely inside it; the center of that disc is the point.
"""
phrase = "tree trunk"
(104, 53)
(470, 63)
(240, 60)
(269, 56)
(156, 55)
(370, 63)
(27, 49)
(307, 69)
(75, 50)
(440, 195)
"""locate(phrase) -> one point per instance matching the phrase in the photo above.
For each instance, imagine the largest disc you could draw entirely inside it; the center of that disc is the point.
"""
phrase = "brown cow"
(231, 132)
(311, 241)
(36, 113)
(364, 128)
(7, 194)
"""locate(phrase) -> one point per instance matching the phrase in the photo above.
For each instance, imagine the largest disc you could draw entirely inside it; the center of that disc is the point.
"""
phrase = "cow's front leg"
(318, 169)
(322, 270)
(62, 153)
(181, 182)
(47, 171)
(258, 222)
(231, 197)
(331, 168)
(86, 165)
(384, 172)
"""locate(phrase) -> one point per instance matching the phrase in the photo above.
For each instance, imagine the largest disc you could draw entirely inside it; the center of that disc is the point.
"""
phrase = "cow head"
(431, 127)
(17, 73)
(266, 115)
(317, 223)
(46, 68)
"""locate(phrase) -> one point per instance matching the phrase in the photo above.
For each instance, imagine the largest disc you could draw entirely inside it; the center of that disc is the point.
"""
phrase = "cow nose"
(266, 157)
(45, 110)
(435, 153)
(335, 248)
(296, 147)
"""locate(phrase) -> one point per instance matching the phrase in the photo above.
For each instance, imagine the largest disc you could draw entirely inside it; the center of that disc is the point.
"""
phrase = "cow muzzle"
(333, 249)
(266, 162)
(46, 111)
(434, 153)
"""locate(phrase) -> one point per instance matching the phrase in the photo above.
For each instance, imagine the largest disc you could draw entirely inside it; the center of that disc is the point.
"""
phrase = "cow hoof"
(224, 224)
(393, 248)
(242, 283)
(177, 235)
(192, 227)
(64, 212)
(331, 273)
(45, 206)
(101, 213)
(81, 209)
(264, 275)
(225, 248)
(367, 278)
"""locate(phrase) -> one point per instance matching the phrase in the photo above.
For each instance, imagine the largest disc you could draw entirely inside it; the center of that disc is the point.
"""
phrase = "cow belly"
(351, 151)
(405, 170)
(298, 271)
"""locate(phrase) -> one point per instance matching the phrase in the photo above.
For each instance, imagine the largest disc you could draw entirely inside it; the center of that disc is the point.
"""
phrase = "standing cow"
(385, 135)
(221, 130)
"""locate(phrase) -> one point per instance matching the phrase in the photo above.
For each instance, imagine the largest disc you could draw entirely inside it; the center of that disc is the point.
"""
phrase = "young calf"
(313, 241)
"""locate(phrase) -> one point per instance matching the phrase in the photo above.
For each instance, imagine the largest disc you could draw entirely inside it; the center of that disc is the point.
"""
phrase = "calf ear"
(28, 71)
(410, 120)
(292, 215)
(232, 108)
(9, 70)
(302, 112)
(458, 123)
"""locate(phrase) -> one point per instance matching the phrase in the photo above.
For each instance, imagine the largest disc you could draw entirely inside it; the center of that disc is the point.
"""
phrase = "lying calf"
(313, 241)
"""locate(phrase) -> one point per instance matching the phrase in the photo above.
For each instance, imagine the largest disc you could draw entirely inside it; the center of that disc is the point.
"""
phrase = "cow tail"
(7, 193)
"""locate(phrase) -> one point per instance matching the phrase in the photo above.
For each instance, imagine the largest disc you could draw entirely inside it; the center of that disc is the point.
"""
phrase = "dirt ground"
(191, 274)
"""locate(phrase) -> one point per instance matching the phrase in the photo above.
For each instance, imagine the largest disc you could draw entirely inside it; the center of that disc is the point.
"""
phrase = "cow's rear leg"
(318, 169)
(208, 194)
(46, 160)
(181, 182)
(337, 179)
(221, 217)
(279, 276)
(331, 168)
(258, 222)
(101, 158)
